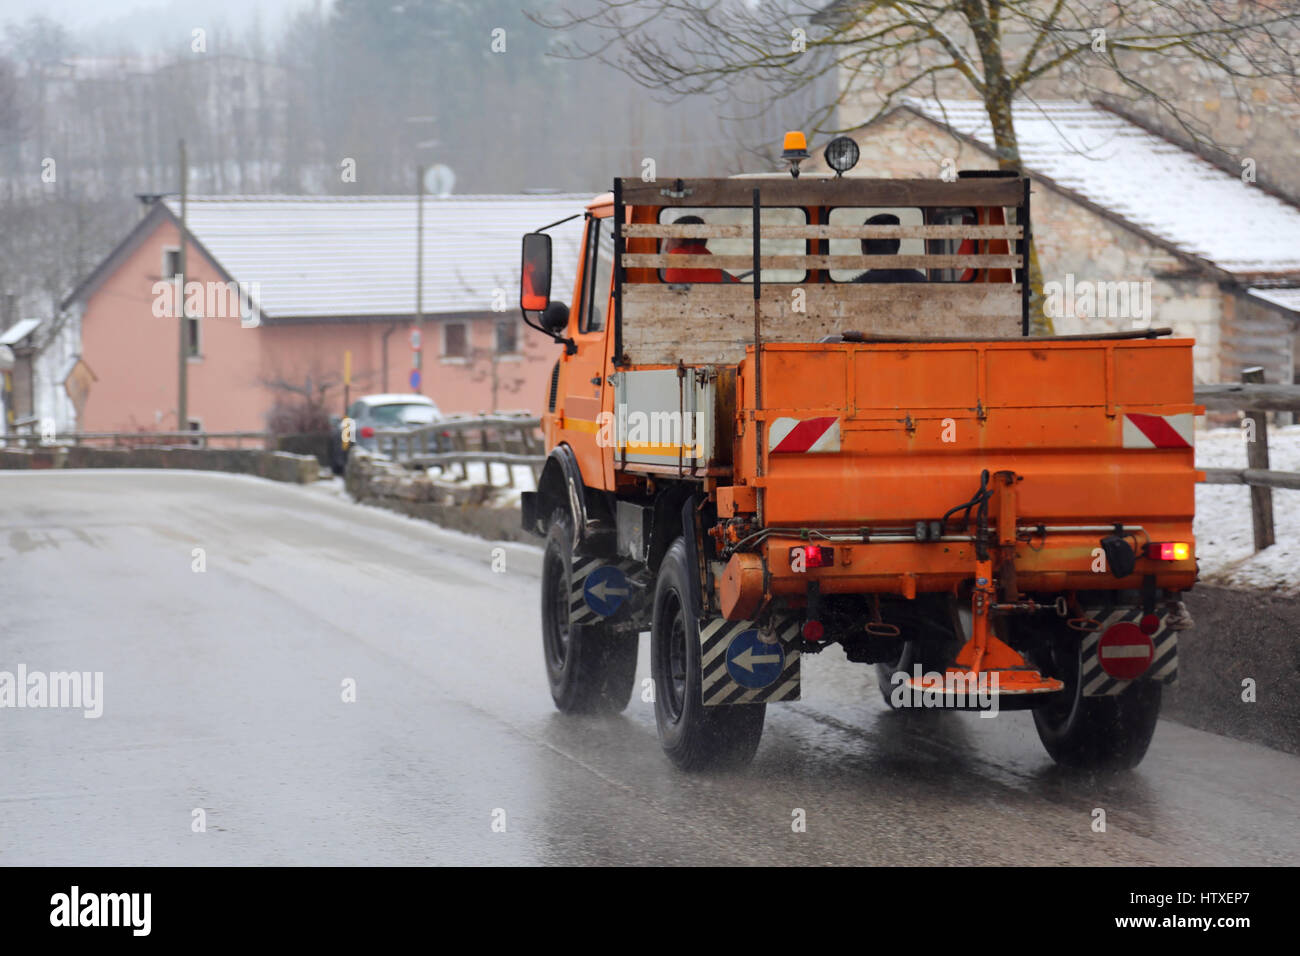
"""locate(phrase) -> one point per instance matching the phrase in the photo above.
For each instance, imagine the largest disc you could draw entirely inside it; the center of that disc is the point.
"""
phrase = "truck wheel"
(1096, 733)
(693, 736)
(934, 654)
(928, 654)
(590, 668)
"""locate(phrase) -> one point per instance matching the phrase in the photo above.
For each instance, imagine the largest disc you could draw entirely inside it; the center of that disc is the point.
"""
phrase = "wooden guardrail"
(507, 440)
(1254, 398)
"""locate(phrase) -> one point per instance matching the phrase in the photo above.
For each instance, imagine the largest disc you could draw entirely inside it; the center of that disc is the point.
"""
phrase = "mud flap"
(744, 664)
(601, 590)
(1164, 662)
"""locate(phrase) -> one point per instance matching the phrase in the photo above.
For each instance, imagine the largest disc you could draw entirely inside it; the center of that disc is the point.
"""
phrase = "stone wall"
(1255, 333)
(474, 509)
(276, 465)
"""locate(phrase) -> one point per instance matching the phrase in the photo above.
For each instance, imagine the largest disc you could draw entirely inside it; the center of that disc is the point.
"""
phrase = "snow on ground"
(1224, 536)
(505, 497)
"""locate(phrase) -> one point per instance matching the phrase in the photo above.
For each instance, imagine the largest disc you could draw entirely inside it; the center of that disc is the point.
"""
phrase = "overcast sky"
(150, 26)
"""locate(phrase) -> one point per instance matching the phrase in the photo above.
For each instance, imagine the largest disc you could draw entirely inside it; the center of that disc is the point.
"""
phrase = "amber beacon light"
(795, 151)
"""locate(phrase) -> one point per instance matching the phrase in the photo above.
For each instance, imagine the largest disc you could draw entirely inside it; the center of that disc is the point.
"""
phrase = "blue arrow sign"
(415, 378)
(752, 663)
(605, 590)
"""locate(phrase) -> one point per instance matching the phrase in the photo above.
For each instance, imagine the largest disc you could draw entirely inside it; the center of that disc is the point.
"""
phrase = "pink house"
(280, 289)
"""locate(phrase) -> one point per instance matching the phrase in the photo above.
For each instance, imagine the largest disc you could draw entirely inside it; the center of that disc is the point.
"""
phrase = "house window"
(195, 425)
(192, 342)
(507, 338)
(171, 262)
(455, 340)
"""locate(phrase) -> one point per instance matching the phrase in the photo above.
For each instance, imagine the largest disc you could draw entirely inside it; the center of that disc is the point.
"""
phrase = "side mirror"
(555, 318)
(535, 273)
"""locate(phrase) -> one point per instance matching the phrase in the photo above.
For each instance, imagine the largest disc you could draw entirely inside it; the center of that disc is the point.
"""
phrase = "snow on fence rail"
(1254, 398)
(481, 439)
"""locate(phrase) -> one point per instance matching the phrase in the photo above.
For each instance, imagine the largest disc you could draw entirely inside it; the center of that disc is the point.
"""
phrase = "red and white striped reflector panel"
(1157, 431)
(803, 435)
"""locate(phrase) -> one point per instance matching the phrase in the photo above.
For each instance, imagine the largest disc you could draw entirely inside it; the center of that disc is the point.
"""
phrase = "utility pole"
(182, 400)
(417, 373)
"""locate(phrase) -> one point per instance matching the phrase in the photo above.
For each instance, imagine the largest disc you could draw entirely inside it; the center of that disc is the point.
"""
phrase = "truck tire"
(934, 653)
(591, 669)
(931, 657)
(693, 736)
(1096, 733)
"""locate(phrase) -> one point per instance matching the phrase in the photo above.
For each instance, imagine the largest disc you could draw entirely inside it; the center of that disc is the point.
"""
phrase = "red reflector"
(1149, 624)
(367, 432)
(813, 630)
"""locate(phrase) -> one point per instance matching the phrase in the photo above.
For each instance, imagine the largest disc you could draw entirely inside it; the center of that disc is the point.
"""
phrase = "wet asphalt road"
(223, 692)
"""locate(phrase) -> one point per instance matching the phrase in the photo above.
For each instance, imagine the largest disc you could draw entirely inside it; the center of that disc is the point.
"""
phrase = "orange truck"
(840, 432)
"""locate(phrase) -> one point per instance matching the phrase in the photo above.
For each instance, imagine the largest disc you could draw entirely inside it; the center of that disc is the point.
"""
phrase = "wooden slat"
(713, 231)
(1268, 398)
(1252, 476)
(712, 323)
(852, 191)
(844, 297)
(800, 263)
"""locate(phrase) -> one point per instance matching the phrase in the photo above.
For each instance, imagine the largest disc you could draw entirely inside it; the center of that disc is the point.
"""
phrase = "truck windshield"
(891, 216)
(732, 216)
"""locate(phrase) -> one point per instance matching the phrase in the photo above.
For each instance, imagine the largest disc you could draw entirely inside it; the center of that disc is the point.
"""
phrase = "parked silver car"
(370, 412)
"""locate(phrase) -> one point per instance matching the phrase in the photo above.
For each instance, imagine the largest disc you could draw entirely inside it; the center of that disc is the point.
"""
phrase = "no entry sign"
(1124, 651)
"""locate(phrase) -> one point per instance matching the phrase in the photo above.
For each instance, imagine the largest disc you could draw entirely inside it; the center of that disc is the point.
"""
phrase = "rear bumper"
(1064, 562)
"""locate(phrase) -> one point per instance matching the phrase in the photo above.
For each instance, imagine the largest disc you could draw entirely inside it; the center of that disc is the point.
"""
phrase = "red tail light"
(814, 556)
(367, 432)
(1169, 550)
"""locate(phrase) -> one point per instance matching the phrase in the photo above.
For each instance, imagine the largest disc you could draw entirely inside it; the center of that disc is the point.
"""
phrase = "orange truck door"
(584, 375)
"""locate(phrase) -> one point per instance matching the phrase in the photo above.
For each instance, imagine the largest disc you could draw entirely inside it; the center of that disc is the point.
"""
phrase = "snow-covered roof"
(1159, 187)
(1286, 298)
(325, 256)
(18, 331)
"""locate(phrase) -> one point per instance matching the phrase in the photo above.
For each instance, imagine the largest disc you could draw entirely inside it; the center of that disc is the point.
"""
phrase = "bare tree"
(993, 50)
(301, 406)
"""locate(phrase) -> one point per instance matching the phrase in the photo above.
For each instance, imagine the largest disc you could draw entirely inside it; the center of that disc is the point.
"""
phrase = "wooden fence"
(1254, 398)
(507, 440)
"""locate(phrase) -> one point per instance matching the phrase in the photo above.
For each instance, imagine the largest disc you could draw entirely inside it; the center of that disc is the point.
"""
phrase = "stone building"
(1130, 228)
